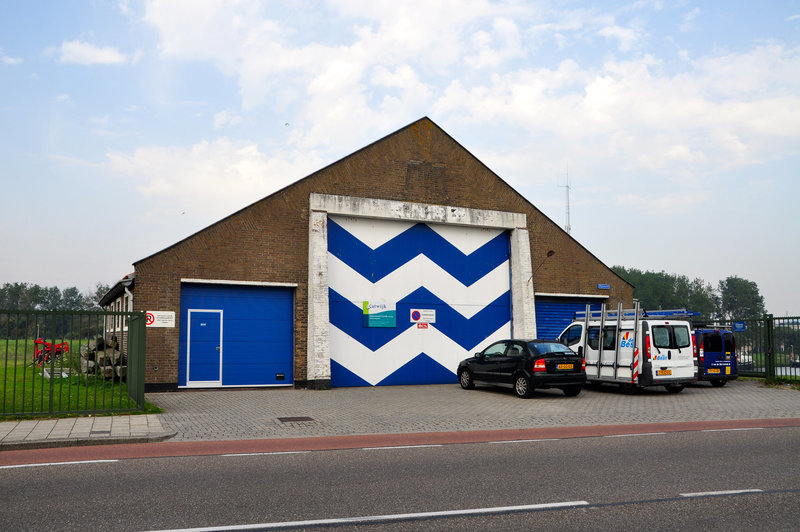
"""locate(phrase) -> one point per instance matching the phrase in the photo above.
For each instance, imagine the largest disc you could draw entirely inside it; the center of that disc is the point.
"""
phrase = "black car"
(524, 365)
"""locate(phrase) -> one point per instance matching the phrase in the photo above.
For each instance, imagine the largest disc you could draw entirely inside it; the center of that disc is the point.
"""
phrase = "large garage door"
(235, 335)
(553, 314)
(409, 300)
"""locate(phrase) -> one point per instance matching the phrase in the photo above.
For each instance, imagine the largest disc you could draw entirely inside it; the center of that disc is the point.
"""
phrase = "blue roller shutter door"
(553, 314)
(257, 332)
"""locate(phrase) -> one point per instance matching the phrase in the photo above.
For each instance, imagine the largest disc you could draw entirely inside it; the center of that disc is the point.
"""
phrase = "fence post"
(769, 348)
(52, 380)
(136, 355)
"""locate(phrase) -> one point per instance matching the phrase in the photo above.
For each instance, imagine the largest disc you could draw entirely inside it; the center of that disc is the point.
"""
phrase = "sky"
(126, 126)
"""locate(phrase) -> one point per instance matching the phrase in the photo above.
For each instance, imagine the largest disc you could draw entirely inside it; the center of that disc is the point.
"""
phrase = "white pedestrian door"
(204, 353)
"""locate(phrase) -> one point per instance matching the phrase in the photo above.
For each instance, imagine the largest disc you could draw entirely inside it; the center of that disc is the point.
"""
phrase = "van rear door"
(671, 354)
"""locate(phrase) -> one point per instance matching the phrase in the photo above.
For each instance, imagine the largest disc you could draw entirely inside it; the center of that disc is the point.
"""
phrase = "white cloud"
(210, 179)
(475, 63)
(63, 98)
(7, 60)
(688, 20)
(495, 47)
(226, 119)
(628, 37)
(100, 120)
(634, 115)
(88, 54)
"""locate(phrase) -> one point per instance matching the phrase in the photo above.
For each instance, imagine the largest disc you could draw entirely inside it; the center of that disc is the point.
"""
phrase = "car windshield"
(542, 348)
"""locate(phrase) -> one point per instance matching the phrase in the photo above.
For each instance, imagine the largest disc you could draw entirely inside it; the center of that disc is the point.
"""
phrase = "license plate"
(661, 372)
(713, 370)
(564, 366)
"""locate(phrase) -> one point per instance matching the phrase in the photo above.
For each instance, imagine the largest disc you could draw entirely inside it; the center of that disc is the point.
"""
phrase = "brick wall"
(268, 241)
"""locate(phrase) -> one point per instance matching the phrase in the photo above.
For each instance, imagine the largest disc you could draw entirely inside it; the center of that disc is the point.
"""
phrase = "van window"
(572, 335)
(609, 338)
(712, 342)
(593, 338)
(661, 336)
(671, 336)
(682, 336)
(730, 342)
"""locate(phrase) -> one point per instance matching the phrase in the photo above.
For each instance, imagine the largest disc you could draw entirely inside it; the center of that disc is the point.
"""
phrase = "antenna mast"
(567, 227)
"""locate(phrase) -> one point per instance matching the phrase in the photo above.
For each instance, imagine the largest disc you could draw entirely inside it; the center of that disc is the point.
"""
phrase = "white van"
(634, 348)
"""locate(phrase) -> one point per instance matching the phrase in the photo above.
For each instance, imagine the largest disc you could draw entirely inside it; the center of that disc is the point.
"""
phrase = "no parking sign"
(427, 315)
(159, 318)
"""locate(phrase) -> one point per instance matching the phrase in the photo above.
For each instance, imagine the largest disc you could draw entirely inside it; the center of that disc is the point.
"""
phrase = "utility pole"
(567, 227)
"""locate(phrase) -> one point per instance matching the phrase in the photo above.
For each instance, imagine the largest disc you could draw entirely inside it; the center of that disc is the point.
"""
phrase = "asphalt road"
(730, 479)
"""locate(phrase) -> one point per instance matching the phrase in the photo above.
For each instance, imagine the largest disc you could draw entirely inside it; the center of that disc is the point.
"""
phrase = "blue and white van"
(715, 355)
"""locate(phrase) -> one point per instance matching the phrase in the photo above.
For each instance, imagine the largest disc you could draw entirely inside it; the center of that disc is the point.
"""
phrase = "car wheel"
(465, 379)
(572, 391)
(674, 388)
(522, 386)
(718, 383)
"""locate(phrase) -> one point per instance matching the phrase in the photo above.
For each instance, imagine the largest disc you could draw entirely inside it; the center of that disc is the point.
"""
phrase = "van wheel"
(522, 386)
(465, 379)
(572, 391)
(674, 388)
(718, 383)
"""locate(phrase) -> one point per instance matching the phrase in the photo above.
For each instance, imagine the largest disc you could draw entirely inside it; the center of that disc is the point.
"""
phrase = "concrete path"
(288, 413)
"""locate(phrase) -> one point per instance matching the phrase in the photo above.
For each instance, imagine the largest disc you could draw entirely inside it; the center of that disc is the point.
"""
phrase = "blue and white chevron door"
(409, 300)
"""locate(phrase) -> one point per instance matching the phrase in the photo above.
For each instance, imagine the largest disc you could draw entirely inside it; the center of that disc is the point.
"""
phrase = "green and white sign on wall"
(379, 314)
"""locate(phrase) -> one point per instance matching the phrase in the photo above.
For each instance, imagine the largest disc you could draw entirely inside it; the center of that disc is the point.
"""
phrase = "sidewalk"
(41, 433)
(289, 413)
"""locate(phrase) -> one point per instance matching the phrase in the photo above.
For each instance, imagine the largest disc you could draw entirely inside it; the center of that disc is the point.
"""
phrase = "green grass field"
(26, 390)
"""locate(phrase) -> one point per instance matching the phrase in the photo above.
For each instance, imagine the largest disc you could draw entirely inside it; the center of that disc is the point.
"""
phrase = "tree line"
(25, 296)
(732, 298)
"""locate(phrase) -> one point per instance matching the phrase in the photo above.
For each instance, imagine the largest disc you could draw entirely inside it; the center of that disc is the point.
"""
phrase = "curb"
(84, 442)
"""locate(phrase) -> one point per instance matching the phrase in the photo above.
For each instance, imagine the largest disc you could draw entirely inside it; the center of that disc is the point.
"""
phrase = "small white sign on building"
(420, 315)
(159, 318)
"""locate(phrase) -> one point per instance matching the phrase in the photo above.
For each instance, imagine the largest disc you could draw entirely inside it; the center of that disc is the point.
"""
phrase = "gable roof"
(424, 123)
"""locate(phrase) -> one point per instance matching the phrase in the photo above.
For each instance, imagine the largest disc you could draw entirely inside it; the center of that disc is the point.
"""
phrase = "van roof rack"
(631, 313)
(697, 324)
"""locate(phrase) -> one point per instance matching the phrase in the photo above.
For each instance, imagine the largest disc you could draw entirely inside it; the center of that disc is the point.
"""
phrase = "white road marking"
(400, 447)
(637, 434)
(525, 441)
(731, 430)
(389, 517)
(59, 463)
(728, 492)
(266, 453)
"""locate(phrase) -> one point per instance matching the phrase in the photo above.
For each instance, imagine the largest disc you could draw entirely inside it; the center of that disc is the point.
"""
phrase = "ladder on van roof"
(628, 314)
(610, 316)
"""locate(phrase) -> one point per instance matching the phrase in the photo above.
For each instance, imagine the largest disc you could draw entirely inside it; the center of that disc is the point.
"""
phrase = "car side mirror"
(479, 355)
(580, 350)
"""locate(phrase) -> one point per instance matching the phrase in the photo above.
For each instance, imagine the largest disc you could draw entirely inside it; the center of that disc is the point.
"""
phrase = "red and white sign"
(422, 325)
(159, 318)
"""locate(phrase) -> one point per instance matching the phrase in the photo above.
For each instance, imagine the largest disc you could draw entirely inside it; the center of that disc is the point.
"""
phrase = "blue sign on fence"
(739, 326)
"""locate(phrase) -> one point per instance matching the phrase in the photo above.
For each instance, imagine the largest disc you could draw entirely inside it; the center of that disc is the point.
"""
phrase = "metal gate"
(768, 347)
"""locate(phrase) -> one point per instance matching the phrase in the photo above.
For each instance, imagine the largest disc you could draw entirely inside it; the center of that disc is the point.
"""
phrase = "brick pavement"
(268, 413)
(254, 414)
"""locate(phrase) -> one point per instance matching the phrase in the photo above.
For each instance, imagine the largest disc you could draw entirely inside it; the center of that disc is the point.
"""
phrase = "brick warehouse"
(386, 267)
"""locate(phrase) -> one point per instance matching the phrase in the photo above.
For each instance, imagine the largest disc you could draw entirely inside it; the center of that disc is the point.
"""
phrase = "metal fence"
(54, 362)
(769, 348)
